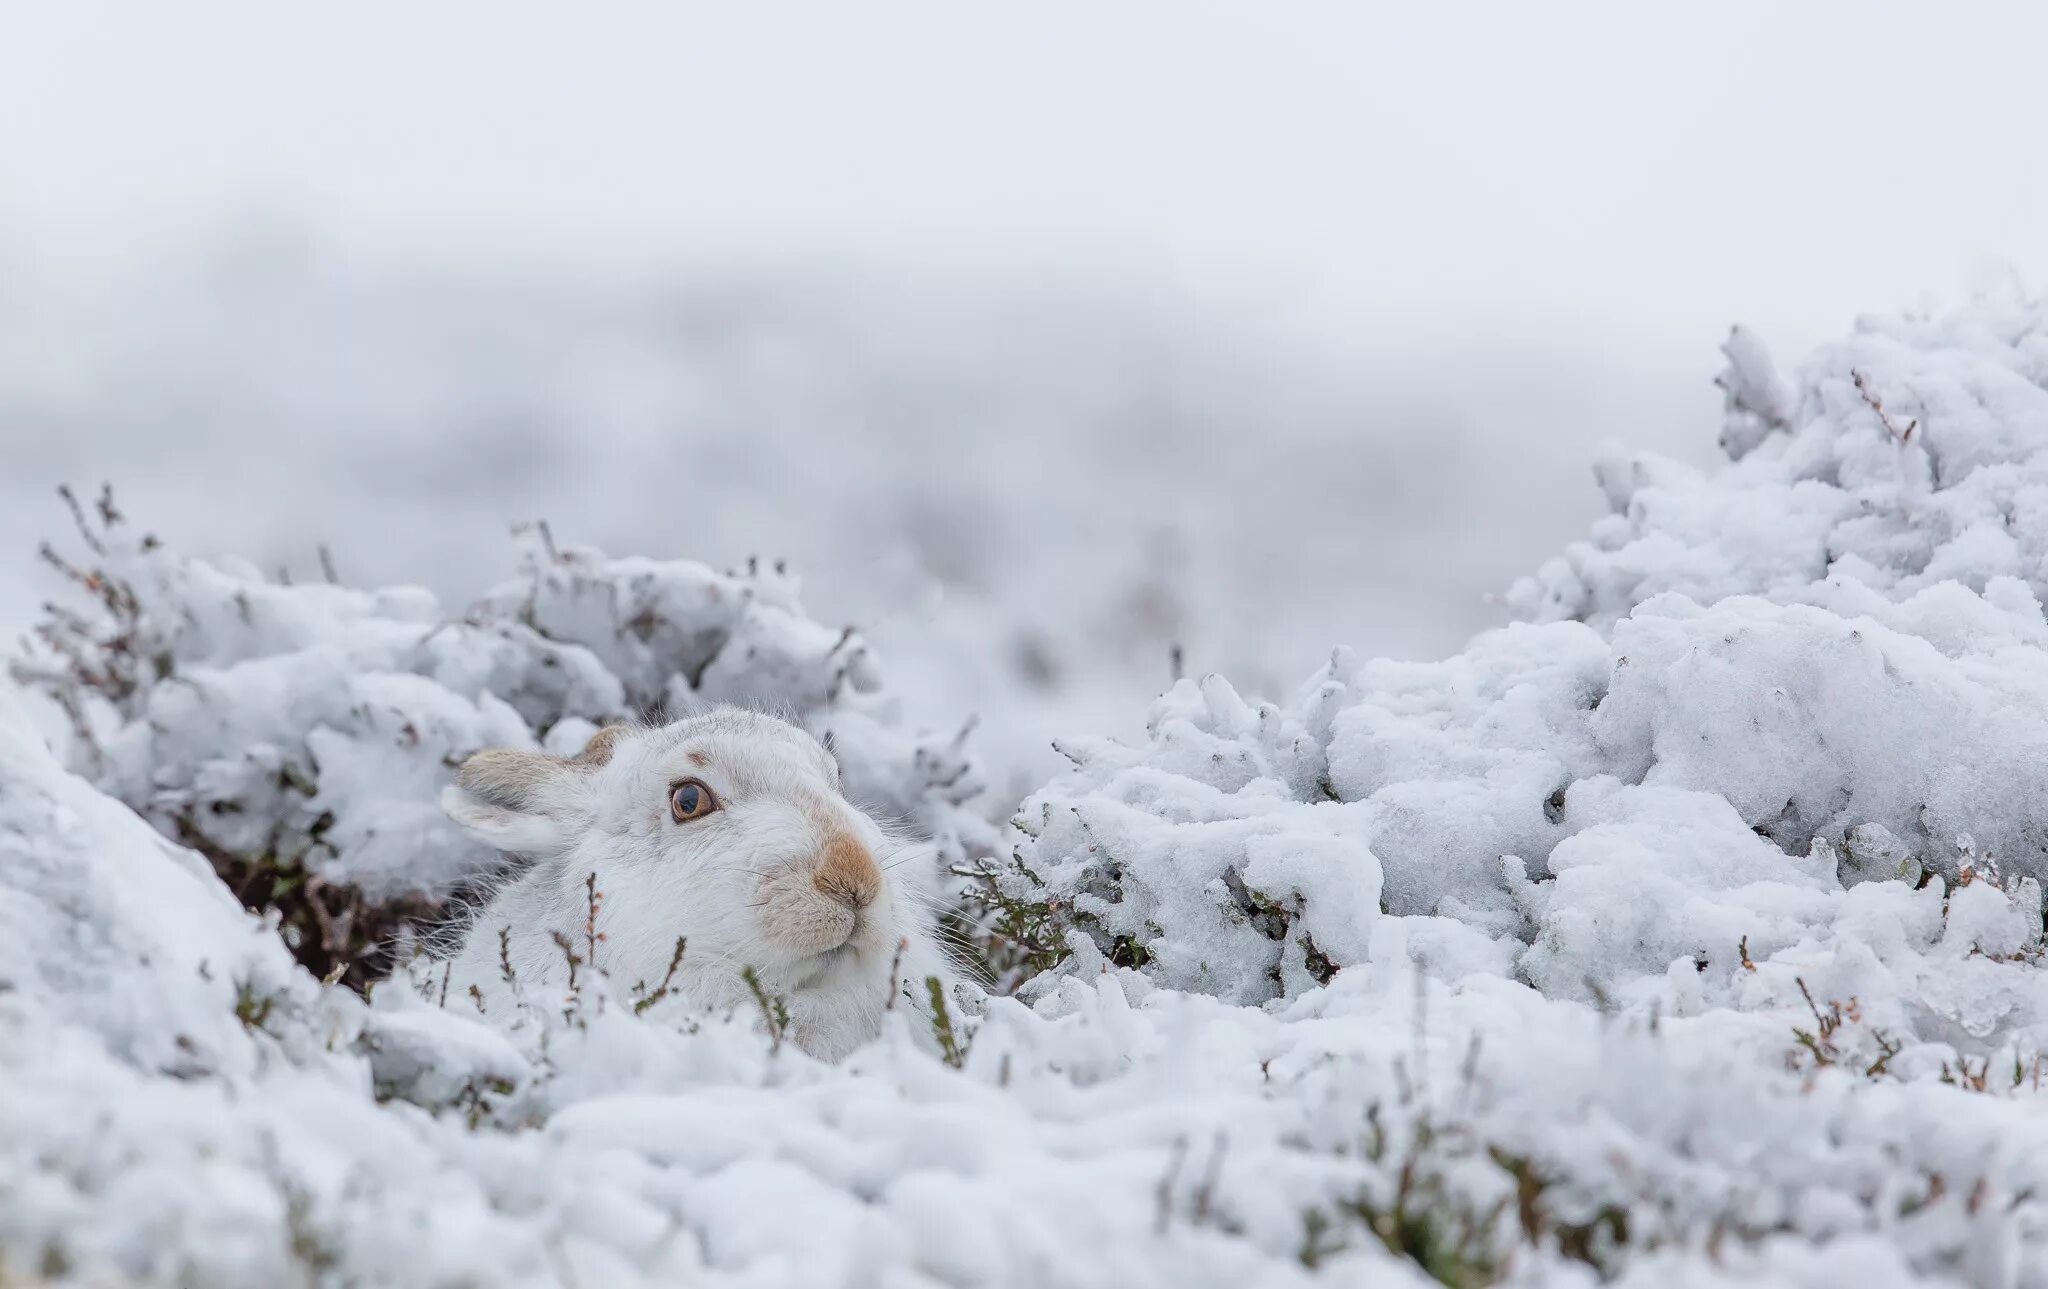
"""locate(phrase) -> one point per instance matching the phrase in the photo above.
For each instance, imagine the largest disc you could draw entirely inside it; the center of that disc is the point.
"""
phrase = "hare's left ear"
(598, 751)
(524, 803)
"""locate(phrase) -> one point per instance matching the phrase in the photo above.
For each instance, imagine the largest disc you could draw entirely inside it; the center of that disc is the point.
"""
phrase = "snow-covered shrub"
(1249, 851)
(1751, 692)
(299, 735)
(1912, 453)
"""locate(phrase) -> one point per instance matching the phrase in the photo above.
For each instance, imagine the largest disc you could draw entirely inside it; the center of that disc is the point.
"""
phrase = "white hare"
(725, 831)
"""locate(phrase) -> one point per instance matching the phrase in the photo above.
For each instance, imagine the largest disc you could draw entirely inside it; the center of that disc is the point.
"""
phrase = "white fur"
(736, 885)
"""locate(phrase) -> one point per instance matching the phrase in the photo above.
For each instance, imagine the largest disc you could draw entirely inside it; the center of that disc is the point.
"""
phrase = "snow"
(1686, 932)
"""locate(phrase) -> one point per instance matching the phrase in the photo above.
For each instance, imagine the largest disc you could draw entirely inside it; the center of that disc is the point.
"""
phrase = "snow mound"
(1766, 761)
(1912, 454)
(1818, 657)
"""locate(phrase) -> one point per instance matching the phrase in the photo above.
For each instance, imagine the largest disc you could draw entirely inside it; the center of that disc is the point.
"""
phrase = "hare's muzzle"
(847, 873)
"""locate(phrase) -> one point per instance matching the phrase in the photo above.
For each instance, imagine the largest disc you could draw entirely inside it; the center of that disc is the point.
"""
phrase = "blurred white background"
(1040, 339)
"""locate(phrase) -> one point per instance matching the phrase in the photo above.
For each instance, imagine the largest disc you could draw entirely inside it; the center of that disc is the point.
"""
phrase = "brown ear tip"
(478, 766)
(598, 751)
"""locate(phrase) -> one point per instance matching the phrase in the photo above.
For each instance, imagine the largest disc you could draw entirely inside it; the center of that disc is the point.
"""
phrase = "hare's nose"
(848, 873)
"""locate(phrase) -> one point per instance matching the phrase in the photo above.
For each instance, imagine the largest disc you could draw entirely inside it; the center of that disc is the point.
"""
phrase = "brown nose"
(847, 873)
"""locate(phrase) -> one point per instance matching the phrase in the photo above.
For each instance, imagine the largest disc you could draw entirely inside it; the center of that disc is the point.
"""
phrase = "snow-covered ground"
(1687, 931)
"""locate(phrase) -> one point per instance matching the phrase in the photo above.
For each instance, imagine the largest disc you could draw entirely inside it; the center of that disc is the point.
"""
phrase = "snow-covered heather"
(300, 735)
(1774, 744)
(1830, 653)
(1688, 934)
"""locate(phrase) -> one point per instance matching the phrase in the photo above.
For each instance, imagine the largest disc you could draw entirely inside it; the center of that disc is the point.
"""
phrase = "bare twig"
(661, 990)
(1901, 433)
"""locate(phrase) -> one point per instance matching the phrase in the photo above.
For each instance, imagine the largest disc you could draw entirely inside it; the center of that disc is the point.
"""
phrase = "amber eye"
(689, 800)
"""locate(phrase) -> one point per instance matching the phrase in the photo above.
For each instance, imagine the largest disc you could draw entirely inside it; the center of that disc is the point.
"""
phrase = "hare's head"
(727, 829)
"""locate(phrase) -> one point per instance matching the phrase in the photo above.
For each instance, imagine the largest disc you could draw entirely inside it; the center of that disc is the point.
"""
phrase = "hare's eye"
(689, 800)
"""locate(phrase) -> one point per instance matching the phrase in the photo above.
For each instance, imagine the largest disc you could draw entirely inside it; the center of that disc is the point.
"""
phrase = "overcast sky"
(1789, 164)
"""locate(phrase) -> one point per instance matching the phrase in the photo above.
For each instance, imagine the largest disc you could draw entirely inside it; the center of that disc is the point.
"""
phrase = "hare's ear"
(598, 751)
(524, 803)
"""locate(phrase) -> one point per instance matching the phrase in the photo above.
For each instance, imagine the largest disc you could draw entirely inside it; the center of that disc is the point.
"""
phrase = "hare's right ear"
(524, 803)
